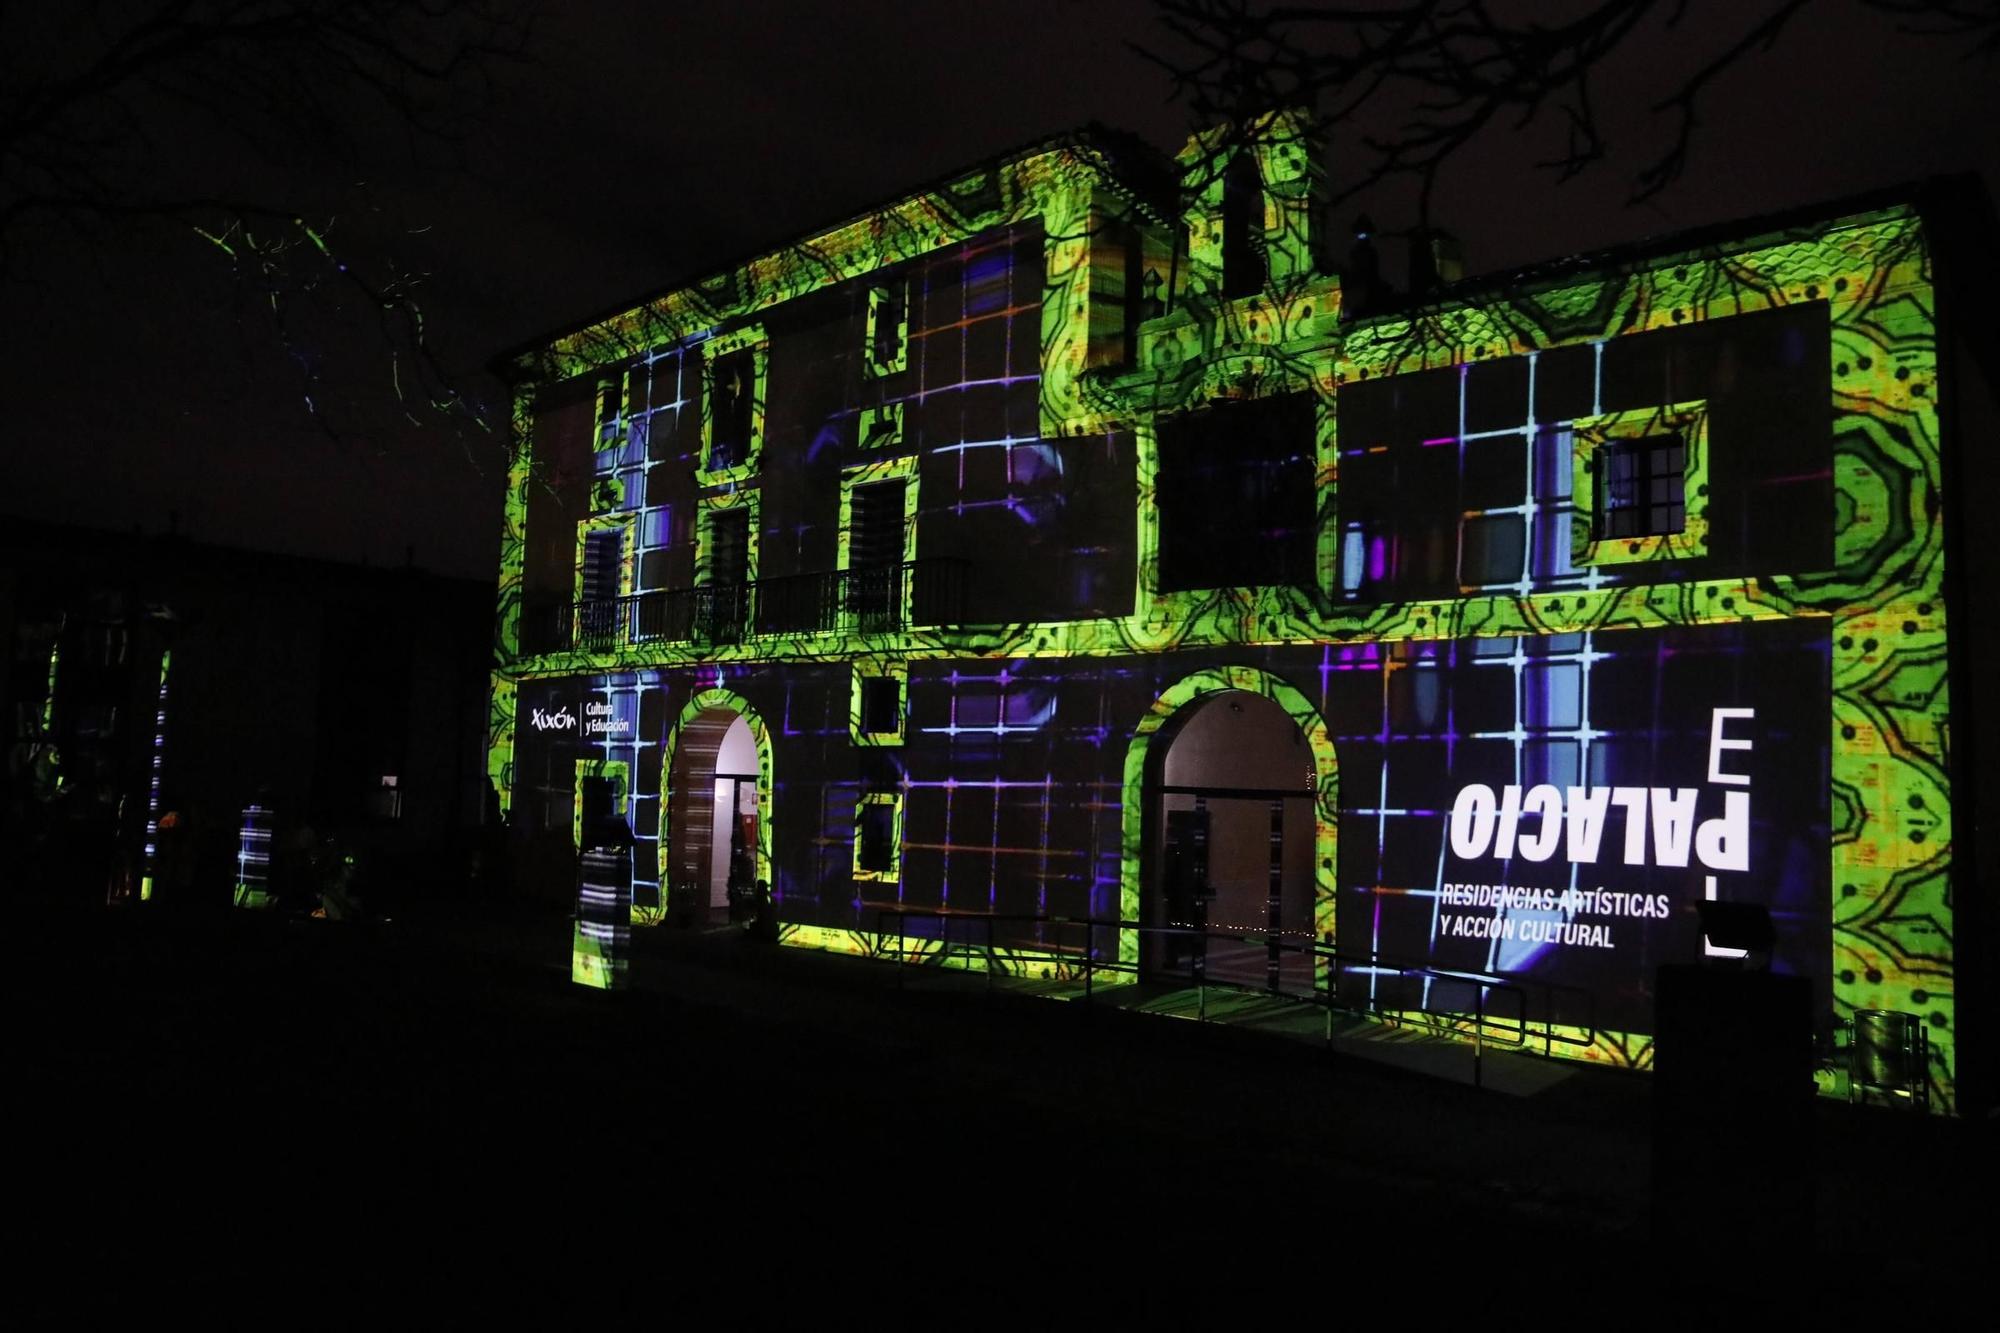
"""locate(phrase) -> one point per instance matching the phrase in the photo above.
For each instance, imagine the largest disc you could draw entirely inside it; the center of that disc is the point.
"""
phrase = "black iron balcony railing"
(870, 600)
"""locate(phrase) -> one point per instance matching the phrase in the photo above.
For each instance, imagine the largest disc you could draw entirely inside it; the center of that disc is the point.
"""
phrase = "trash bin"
(1733, 1107)
(1889, 1057)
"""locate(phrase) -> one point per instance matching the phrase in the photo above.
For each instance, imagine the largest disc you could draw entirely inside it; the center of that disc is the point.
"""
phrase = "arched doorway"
(1230, 828)
(1232, 844)
(715, 834)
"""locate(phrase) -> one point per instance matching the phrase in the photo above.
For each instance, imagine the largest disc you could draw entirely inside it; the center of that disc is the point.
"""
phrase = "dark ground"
(210, 1100)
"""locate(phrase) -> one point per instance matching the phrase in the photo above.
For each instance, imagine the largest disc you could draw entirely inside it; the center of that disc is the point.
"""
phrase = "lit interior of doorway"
(712, 813)
(733, 824)
(1239, 770)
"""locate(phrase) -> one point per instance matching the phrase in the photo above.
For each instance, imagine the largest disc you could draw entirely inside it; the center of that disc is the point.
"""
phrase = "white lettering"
(1716, 950)
(1633, 801)
(1510, 818)
(559, 720)
(1717, 743)
(1485, 822)
(1586, 823)
(1472, 821)
(1724, 844)
(1545, 803)
(1673, 825)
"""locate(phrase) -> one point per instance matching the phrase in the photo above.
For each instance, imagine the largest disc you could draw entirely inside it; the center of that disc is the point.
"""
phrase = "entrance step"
(1498, 1069)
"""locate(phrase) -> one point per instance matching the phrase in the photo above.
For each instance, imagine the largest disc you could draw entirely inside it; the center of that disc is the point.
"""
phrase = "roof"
(1927, 196)
(1149, 179)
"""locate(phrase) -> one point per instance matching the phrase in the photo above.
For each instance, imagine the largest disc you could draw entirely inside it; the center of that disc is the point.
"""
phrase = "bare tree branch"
(1431, 75)
(109, 118)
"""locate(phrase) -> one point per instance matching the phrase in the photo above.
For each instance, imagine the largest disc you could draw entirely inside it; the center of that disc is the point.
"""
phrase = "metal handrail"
(1327, 995)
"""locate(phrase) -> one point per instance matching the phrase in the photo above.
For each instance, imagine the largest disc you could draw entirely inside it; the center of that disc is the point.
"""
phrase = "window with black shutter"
(1235, 495)
(1242, 227)
(876, 539)
(881, 705)
(603, 554)
(725, 600)
(875, 837)
(731, 414)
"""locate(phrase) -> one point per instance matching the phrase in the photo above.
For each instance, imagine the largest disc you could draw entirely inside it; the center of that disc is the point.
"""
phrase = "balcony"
(875, 600)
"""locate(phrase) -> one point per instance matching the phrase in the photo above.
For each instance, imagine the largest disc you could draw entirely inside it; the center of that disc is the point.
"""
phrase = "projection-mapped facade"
(1044, 551)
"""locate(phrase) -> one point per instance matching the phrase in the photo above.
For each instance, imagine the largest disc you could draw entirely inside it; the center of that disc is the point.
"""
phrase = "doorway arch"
(1192, 691)
(687, 811)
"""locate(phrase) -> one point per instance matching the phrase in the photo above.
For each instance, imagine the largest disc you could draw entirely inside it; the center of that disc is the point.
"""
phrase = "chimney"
(1435, 260)
(1362, 291)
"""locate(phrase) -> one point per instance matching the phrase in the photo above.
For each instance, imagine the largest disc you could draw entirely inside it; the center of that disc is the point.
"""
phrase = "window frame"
(899, 672)
(1653, 462)
(881, 297)
(620, 522)
(615, 771)
(750, 337)
(894, 801)
(879, 427)
(1243, 216)
(707, 507)
(612, 431)
(1321, 455)
(904, 469)
(1588, 438)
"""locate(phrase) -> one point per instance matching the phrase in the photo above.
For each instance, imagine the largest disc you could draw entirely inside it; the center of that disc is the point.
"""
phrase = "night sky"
(645, 143)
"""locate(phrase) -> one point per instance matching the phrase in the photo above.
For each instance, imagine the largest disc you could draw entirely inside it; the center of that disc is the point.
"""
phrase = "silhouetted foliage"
(211, 117)
(1447, 70)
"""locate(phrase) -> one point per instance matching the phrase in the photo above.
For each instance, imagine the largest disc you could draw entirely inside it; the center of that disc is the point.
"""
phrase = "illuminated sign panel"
(1554, 808)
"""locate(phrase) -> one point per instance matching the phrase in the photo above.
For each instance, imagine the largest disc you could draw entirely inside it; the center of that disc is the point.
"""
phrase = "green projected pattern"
(1880, 596)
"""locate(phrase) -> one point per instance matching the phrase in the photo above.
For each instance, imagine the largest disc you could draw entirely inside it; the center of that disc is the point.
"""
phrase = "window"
(875, 524)
(618, 468)
(881, 704)
(728, 546)
(659, 395)
(600, 583)
(732, 405)
(725, 566)
(1235, 495)
(875, 555)
(888, 328)
(1242, 226)
(603, 554)
(1117, 292)
(878, 509)
(1435, 496)
(1639, 485)
(878, 836)
(611, 411)
(876, 712)
(1641, 491)
(880, 427)
(599, 802)
(734, 380)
